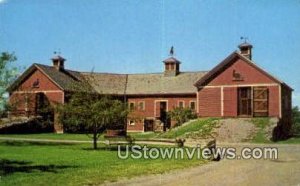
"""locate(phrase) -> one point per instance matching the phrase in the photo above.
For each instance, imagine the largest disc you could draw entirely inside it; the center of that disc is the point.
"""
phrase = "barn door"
(245, 101)
(157, 109)
(260, 101)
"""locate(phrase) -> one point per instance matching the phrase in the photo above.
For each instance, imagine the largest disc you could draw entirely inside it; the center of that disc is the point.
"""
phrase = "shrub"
(182, 115)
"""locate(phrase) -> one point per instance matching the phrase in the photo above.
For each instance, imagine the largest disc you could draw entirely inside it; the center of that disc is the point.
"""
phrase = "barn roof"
(118, 84)
(133, 84)
(136, 84)
(158, 83)
(65, 79)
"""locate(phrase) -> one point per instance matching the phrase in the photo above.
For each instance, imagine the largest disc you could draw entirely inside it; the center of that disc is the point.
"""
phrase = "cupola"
(172, 65)
(58, 62)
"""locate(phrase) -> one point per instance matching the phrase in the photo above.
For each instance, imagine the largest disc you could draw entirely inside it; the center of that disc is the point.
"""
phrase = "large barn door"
(260, 101)
(245, 101)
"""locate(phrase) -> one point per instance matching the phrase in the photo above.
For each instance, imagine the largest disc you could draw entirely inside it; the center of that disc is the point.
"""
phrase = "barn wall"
(230, 102)
(249, 75)
(224, 87)
(26, 91)
(45, 82)
(274, 102)
(150, 112)
(209, 102)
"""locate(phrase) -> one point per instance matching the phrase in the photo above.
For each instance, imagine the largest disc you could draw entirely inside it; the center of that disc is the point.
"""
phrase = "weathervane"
(57, 52)
(245, 39)
(172, 51)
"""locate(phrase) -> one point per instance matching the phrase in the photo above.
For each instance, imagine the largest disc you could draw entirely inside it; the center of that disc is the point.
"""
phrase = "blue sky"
(135, 36)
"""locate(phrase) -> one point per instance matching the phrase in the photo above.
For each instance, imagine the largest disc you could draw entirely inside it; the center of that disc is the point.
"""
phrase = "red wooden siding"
(151, 107)
(209, 101)
(249, 74)
(53, 93)
(274, 101)
(45, 82)
(230, 101)
(210, 97)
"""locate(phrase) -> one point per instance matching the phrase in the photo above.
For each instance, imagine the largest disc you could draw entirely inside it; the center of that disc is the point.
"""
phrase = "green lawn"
(201, 127)
(49, 136)
(198, 127)
(23, 163)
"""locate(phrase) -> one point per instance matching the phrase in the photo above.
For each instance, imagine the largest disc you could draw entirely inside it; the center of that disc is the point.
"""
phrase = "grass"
(23, 163)
(145, 135)
(292, 140)
(204, 126)
(201, 127)
(261, 124)
(52, 136)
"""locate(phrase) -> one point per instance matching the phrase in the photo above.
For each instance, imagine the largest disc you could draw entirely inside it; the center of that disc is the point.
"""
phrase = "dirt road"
(283, 171)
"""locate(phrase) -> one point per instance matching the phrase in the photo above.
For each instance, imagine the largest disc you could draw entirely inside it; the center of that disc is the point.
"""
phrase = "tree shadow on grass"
(30, 143)
(8, 167)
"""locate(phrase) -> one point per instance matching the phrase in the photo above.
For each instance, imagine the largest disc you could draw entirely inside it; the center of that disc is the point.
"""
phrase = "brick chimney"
(58, 62)
(246, 50)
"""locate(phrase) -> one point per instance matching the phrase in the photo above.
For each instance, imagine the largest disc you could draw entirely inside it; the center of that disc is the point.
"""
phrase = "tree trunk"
(95, 138)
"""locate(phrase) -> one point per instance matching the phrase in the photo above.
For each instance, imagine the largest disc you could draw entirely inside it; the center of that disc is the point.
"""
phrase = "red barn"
(236, 87)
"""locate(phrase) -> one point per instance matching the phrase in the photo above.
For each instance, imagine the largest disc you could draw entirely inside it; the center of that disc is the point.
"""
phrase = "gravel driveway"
(283, 171)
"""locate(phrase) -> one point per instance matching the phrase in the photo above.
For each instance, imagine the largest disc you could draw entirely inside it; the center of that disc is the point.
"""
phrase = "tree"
(181, 115)
(93, 112)
(8, 74)
(296, 120)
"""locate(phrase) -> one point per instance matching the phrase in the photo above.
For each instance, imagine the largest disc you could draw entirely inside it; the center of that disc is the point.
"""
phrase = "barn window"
(131, 105)
(181, 104)
(142, 105)
(193, 105)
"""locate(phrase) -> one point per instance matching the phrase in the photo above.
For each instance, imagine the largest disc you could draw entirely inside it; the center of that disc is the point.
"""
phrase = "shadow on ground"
(30, 143)
(8, 167)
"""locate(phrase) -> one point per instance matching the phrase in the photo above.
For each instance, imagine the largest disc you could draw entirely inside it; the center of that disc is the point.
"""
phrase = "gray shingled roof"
(159, 84)
(143, 83)
(105, 83)
(66, 79)
(131, 84)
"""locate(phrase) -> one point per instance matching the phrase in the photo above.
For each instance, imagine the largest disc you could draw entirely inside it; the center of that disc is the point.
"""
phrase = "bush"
(182, 115)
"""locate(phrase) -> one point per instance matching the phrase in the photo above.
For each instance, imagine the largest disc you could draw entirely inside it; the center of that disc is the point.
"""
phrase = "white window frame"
(131, 122)
(183, 103)
(131, 102)
(193, 101)
(144, 106)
